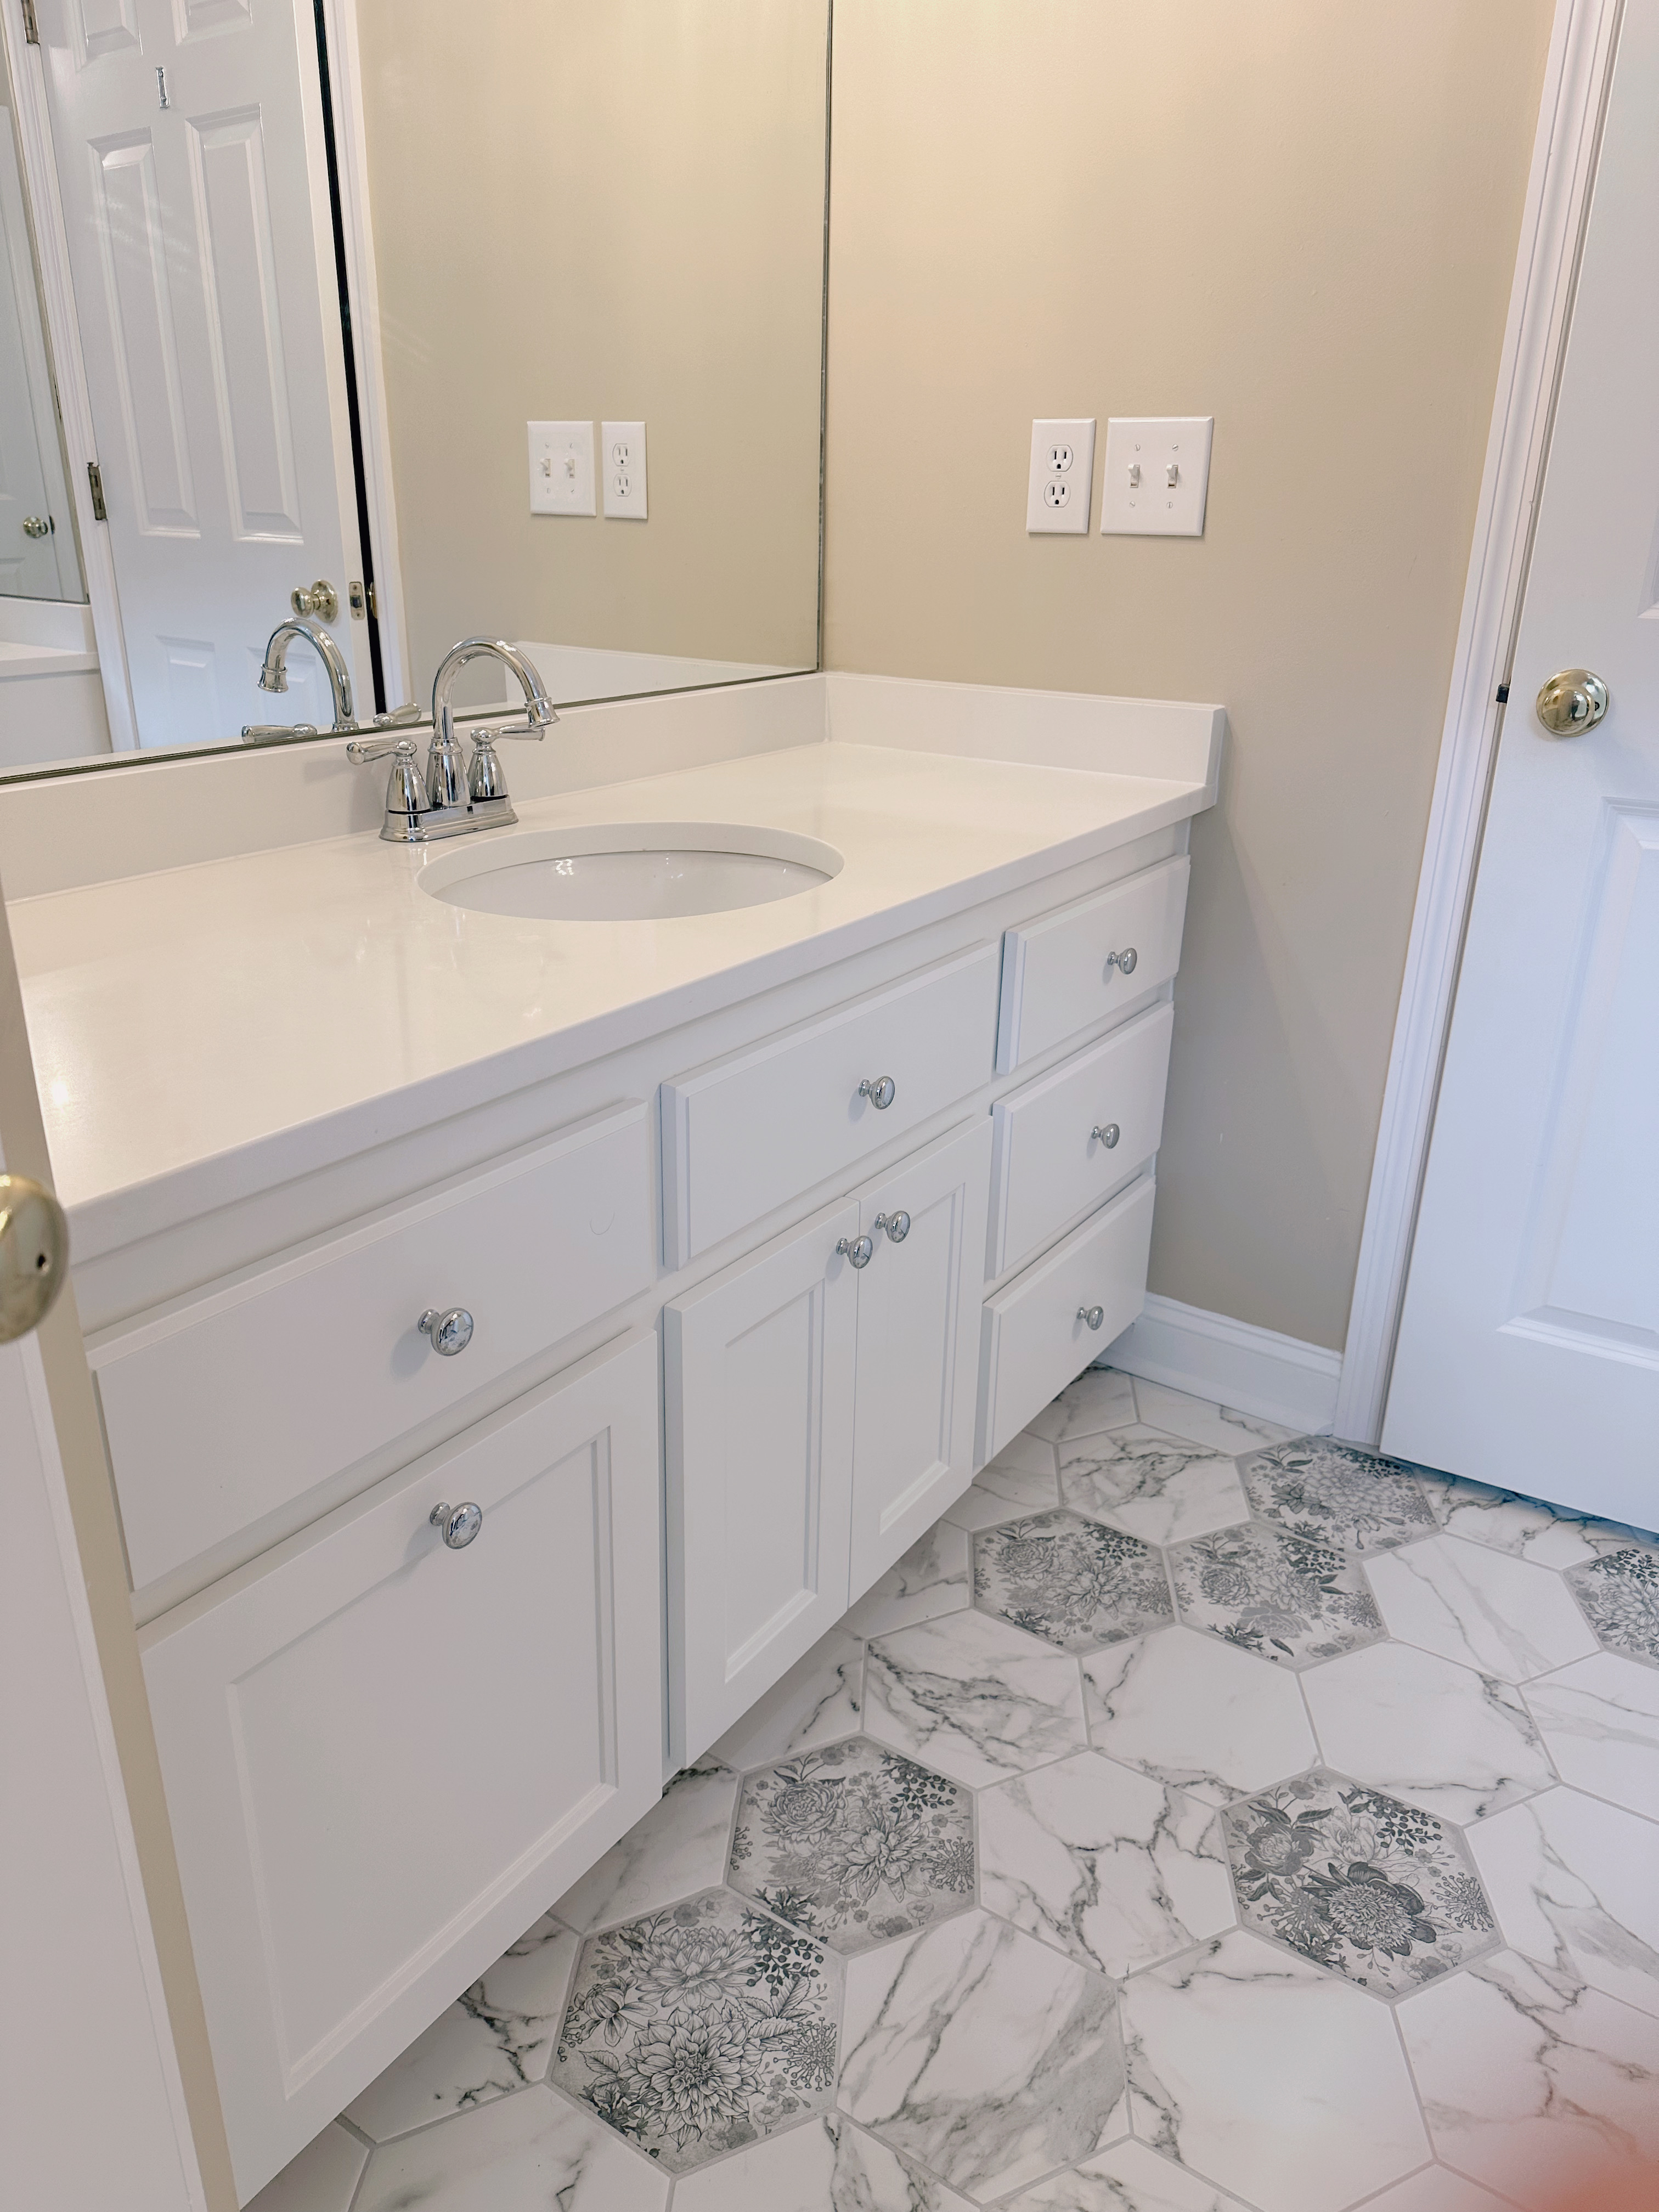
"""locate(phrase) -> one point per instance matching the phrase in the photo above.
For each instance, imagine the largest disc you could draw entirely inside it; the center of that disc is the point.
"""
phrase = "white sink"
(628, 870)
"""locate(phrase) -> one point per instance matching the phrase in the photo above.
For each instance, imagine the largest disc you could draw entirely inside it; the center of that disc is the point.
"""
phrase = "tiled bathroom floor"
(1197, 1819)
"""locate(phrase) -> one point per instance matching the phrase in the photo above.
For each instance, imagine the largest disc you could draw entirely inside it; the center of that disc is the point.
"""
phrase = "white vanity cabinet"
(385, 1757)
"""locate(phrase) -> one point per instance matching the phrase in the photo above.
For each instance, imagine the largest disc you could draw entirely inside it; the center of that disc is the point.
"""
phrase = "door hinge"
(95, 478)
(31, 28)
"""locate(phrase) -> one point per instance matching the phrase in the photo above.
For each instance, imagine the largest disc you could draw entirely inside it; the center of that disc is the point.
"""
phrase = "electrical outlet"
(1157, 476)
(1062, 472)
(562, 468)
(622, 445)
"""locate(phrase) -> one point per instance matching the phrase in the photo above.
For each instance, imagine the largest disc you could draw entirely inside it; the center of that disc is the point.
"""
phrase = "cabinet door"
(918, 1347)
(384, 1758)
(758, 1381)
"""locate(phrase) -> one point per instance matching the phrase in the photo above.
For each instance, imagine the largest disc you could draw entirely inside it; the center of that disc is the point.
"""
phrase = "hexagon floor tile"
(1274, 1595)
(1619, 1594)
(1197, 1715)
(972, 1697)
(1153, 1486)
(855, 1844)
(1336, 1494)
(1072, 1581)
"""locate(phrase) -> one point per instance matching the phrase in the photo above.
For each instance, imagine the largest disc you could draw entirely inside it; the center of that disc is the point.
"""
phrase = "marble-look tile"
(981, 2053)
(1619, 1594)
(819, 1698)
(496, 2039)
(696, 2031)
(972, 1697)
(1197, 1715)
(1458, 1744)
(522, 2153)
(1375, 1890)
(1437, 2188)
(1128, 2178)
(1504, 1520)
(1004, 1492)
(1100, 1399)
(1222, 1428)
(1156, 1486)
(1483, 1608)
(1276, 2081)
(1028, 1455)
(321, 2179)
(1274, 1595)
(1600, 1718)
(828, 2166)
(1112, 1869)
(932, 1578)
(1071, 1581)
(855, 1844)
(1332, 1493)
(678, 1847)
(1532, 2083)
(1575, 1884)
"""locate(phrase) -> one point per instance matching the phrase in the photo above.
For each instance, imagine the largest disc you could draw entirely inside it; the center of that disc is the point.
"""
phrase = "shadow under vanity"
(769, 1227)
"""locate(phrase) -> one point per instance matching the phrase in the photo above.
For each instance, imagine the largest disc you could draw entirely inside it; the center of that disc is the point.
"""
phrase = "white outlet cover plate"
(1154, 444)
(1062, 475)
(621, 458)
(562, 468)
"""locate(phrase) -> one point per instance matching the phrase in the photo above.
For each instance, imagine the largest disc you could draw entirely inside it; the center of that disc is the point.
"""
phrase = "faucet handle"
(395, 716)
(362, 750)
(277, 734)
(533, 726)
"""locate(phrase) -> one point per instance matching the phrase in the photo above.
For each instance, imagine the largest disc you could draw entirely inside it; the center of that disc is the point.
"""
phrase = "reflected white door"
(204, 284)
(37, 534)
(1529, 1352)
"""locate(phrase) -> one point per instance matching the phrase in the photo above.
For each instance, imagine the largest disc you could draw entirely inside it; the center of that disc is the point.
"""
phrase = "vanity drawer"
(1055, 979)
(748, 1134)
(234, 1403)
(1033, 1341)
(1048, 1165)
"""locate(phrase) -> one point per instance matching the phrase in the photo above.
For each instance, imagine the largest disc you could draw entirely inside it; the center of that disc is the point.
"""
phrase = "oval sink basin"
(630, 870)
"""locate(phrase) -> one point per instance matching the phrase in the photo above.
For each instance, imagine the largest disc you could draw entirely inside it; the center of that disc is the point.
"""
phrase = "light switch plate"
(1137, 499)
(562, 468)
(1062, 473)
(621, 452)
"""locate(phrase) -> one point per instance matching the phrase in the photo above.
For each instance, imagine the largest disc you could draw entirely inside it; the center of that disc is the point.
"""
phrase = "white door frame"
(1576, 78)
(64, 334)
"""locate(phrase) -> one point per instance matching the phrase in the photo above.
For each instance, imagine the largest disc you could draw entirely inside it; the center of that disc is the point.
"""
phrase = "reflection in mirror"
(401, 335)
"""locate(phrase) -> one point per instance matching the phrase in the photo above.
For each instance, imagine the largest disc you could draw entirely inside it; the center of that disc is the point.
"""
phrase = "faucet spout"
(538, 707)
(273, 677)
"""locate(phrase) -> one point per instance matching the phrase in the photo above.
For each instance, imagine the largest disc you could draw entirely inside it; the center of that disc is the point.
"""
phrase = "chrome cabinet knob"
(1094, 1316)
(897, 1226)
(457, 1524)
(1574, 699)
(861, 1250)
(879, 1090)
(1106, 1133)
(1124, 961)
(450, 1331)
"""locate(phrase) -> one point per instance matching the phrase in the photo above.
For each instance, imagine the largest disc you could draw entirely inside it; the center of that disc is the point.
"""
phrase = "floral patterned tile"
(1333, 1493)
(931, 1578)
(1274, 1595)
(1151, 1484)
(1069, 1581)
(1619, 1594)
(855, 1843)
(1373, 1889)
(698, 2030)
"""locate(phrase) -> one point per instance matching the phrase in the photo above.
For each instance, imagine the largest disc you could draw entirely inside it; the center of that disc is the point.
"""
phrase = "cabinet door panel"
(384, 1758)
(918, 1346)
(758, 1369)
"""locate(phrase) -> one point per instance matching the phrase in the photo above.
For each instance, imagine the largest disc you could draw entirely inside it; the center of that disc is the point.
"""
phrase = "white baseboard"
(1209, 1355)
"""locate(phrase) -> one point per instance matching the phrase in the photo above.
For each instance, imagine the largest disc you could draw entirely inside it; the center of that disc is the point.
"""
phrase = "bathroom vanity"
(518, 1339)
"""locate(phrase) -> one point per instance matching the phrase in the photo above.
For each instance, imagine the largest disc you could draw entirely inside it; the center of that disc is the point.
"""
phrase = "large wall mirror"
(409, 322)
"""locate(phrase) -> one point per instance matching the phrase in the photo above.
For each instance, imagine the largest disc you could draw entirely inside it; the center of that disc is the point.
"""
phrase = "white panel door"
(758, 1367)
(1528, 1350)
(918, 1345)
(204, 283)
(384, 1758)
(32, 565)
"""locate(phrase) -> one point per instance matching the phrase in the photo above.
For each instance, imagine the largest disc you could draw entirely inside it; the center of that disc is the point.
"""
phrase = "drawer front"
(753, 1131)
(1056, 979)
(384, 1758)
(1033, 1341)
(239, 1401)
(1050, 1164)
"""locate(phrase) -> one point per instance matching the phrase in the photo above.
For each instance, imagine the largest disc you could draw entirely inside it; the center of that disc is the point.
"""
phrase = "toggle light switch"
(562, 468)
(1157, 476)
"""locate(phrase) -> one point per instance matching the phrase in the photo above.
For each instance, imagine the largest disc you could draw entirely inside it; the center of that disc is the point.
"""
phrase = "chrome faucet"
(453, 797)
(273, 677)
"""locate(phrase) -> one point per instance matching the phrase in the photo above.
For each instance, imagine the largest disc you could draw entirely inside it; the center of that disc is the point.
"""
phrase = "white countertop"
(288, 1006)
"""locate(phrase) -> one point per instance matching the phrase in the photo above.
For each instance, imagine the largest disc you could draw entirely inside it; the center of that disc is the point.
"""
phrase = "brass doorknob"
(33, 1255)
(1574, 699)
(320, 599)
(37, 526)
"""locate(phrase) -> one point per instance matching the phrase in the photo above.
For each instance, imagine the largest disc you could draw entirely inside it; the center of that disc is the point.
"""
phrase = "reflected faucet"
(273, 677)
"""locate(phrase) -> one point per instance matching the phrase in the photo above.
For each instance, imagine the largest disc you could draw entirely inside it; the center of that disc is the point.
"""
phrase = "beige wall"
(1301, 217)
(586, 209)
